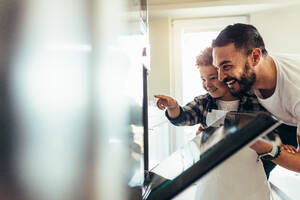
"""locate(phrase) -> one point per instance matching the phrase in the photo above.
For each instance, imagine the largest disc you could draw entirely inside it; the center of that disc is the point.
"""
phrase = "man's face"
(234, 69)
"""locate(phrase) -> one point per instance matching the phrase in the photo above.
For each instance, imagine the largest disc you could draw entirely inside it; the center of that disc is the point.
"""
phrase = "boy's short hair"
(204, 58)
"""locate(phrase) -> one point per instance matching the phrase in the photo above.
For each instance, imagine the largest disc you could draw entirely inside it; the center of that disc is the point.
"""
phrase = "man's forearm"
(288, 160)
(261, 147)
(285, 159)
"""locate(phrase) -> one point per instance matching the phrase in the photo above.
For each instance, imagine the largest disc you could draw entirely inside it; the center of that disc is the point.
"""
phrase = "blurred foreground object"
(71, 99)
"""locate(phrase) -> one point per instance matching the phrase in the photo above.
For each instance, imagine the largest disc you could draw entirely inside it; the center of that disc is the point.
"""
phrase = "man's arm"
(285, 159)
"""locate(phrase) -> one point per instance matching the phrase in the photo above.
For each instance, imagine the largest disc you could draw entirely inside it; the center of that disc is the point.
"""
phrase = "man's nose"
(221, 74)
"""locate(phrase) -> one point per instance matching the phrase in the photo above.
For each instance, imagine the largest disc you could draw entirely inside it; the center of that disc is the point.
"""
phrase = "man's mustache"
(229, 79)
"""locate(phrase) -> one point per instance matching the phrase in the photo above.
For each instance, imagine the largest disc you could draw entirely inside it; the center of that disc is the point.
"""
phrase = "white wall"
(159, 76)
(280, 29)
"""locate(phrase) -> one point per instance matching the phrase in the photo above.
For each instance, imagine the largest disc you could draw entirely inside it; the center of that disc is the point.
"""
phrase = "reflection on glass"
(227, 135)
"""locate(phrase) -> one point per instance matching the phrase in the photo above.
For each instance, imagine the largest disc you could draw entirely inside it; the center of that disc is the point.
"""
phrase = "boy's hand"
(200, 129)
(164, 102)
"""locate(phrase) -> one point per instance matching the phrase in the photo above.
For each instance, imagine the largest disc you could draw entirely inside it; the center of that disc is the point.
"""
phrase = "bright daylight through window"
(193, 43)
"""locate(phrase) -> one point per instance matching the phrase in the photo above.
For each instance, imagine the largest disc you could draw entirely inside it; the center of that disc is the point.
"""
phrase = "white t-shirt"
(284, 104)
(228, 105)
(239, 177)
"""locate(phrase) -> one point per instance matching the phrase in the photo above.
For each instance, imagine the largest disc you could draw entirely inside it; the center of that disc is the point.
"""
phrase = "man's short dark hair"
(204, 58)
(244, 36)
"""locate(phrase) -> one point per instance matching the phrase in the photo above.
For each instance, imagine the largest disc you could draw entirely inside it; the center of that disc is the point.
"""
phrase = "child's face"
(210, 82)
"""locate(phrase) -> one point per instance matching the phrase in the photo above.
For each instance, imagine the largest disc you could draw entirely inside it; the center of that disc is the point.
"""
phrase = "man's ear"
(256, 56)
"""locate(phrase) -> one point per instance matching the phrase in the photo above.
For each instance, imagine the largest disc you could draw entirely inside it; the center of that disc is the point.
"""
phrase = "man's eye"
(226, 67)
(213, 78)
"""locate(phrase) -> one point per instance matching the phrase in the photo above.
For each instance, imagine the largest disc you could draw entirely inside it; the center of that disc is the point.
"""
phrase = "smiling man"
(244, 64)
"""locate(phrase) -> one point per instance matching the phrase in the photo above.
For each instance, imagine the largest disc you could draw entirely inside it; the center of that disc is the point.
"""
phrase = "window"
(193, 43)
(189, 37)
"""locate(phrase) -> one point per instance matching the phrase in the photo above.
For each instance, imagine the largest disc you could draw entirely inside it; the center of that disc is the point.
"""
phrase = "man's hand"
(168, 102)
(289, 148)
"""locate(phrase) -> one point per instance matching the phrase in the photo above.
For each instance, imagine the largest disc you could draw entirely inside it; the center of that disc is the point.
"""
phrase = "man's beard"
(245, 83)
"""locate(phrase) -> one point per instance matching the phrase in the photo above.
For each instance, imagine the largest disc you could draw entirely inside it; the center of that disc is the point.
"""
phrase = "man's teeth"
(230, 82)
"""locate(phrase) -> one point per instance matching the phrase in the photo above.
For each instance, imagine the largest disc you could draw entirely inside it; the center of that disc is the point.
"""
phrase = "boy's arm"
(192, 113)
(168, 102)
